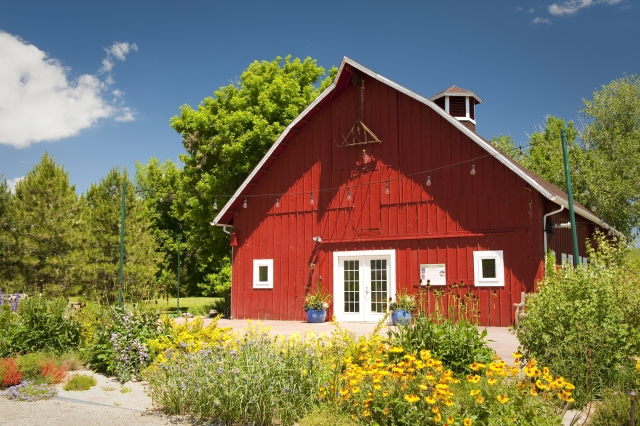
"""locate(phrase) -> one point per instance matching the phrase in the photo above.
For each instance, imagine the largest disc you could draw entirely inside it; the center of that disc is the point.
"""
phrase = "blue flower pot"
(400, 317)
(316, 316)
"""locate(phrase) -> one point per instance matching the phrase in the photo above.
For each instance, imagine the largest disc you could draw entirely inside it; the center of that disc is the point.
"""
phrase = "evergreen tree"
(101, 218)
(7, 242)
(42, 212)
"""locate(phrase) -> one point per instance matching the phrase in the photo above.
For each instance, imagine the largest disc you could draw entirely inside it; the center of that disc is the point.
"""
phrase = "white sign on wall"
(433, 273)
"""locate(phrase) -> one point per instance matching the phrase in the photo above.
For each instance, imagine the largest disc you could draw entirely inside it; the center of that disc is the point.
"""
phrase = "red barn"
(374, 189)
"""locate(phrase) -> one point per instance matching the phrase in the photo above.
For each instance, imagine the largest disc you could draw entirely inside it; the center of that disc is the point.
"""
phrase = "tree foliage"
(225, 137)
(44, 227)
(101, 218)
(604, 156)
(7, 243)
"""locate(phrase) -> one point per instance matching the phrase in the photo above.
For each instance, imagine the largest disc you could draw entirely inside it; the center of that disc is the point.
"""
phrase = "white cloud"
(125, 114)
(40, 102)
(11, 183)
(118, 51)
(540, 20)
(570, 7)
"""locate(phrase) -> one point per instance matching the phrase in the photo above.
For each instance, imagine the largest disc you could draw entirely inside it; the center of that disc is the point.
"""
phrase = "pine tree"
(101, 218)
(42, 212)
(7, 242)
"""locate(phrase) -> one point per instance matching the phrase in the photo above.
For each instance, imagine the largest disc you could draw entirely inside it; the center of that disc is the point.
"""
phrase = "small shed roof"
(547, 189)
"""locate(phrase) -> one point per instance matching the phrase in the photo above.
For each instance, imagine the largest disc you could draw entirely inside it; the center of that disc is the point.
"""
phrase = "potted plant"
(402, 308)
(316, 305)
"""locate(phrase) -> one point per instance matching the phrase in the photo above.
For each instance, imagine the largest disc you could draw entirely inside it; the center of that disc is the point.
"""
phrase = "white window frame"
(478, 256)
(256, 273)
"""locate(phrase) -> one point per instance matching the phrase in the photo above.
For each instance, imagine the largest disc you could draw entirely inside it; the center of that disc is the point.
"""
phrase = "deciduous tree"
(225, 137)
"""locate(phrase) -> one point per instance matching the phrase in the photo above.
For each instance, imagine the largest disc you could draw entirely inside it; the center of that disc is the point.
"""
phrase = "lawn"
(201, 305)
(187, 304)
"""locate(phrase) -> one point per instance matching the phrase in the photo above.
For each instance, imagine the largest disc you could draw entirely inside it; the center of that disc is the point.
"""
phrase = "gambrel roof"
(547, 189)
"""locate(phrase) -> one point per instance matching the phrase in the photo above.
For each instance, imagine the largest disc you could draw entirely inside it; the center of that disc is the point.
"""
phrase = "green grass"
(636, 252)
(80, 382)
(186, 304)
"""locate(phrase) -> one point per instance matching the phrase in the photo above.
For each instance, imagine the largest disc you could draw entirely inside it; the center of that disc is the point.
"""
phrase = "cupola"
(460, 103)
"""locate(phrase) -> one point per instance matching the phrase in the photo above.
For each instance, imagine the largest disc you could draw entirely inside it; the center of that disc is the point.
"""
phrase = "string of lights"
(428, 182)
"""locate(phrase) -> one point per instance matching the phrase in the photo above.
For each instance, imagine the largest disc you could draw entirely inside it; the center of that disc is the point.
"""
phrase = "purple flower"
(15, 301)
(1, 298)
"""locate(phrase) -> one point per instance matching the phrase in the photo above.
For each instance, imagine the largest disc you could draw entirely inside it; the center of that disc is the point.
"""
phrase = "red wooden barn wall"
(560, 242)
(442, 223)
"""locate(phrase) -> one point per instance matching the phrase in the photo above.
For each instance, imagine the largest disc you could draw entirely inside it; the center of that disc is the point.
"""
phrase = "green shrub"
(614, 410)
(80, 382)
(457, 344)
(40, 324)
(584, 323)
(119, 345)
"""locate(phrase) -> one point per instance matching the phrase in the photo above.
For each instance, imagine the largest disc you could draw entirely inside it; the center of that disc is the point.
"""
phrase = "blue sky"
(106, 76)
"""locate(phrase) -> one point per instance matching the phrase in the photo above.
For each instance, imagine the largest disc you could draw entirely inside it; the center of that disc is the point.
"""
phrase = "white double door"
(363, 283)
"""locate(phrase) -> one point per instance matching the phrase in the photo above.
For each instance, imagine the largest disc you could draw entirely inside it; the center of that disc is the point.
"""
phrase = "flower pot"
(400, 317)
(316, 316)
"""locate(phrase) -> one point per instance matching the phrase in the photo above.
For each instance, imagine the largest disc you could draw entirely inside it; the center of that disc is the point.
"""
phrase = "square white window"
(263, 273)
(488, 268)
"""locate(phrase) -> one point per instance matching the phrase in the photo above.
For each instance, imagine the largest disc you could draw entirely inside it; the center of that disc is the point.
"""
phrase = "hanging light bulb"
(277, 201)
(428, 179)
(348, 194)
(386, 188)
(473, 168)
(245, 203)
(215, 204)
(311, 201)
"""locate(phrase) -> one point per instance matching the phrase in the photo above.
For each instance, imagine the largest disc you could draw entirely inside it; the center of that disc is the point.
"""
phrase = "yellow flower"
(377, 387)
(467, 422)
(344, 392)
(477, 366)
(516, 355)
(430, 400)
(437, 418)
(355, 389)
(492, 381)
(450, 419)
(473, 379)
(474, 392)
(411, 398)
(424, 388)
(385, 393)
(502, 399)
(480, 399)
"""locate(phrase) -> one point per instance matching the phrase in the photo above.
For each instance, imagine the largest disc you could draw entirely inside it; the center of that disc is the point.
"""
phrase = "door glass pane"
(352, 286)
(488, 268)
(378, 285)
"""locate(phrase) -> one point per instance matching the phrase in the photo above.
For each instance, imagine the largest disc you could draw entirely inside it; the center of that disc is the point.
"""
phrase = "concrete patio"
(498, 338)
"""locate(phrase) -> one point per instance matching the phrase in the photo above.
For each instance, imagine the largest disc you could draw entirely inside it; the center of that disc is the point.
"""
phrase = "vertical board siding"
(442, 223)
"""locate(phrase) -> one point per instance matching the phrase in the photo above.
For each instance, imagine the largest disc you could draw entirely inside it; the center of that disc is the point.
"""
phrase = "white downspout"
(544, 227)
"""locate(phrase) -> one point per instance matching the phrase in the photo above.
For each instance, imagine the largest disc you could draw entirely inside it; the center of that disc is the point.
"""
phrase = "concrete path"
(498, 338)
